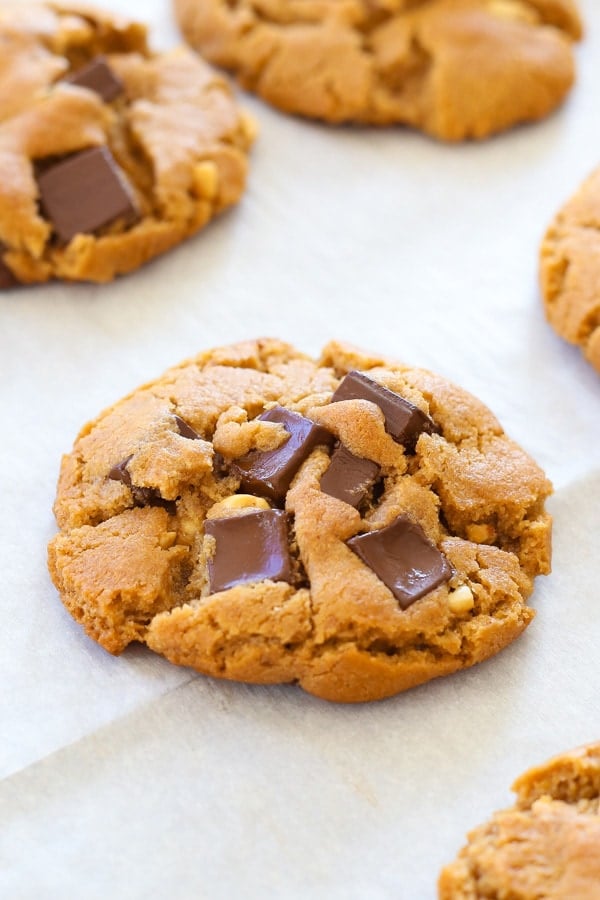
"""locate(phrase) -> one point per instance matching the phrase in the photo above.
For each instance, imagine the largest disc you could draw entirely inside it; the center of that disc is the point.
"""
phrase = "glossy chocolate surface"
(249, 547)
(349, 478)
(97, 76)
(84, 192)
(403, 420)
(270, 473)
(404, 559)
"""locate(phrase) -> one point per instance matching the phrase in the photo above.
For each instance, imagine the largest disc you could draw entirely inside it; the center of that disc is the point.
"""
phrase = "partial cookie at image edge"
(546, 845)
(111, 154)
(455, 69)
(570, 271)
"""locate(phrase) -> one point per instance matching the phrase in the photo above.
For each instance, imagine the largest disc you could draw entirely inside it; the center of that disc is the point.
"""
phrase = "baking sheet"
(134, 778)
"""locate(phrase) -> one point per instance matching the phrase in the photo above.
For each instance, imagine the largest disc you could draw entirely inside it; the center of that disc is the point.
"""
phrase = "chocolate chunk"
(120, 473)
(269, 473)
(98, 77)
(7, 279)
(249, 547)
(186, 430)
(84, 192)
(404, 559)
(403, 420)
(349, 477)
(142, 496)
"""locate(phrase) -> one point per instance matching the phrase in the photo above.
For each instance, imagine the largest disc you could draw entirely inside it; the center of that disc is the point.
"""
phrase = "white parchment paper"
(131, 778)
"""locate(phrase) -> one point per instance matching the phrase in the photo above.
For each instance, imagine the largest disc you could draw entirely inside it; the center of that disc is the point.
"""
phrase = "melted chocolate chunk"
(269, 473)
(97, 76)
(186, 430)
(84, 192)
(349, 478)
(142, 496)
(403, 420)
(404, 559)
(249, 547)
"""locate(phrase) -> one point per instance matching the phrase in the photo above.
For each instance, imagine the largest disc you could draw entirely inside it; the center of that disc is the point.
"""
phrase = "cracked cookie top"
(348, 523)
(546, 845)
(110, 154)
(570, 270)
(456, 69)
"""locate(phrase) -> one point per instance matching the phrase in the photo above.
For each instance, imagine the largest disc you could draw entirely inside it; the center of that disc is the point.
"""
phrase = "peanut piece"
(461, 600)
(235, 504)
(206, 180)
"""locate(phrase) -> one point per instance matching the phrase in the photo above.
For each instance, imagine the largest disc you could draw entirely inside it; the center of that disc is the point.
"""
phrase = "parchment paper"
(131, 778)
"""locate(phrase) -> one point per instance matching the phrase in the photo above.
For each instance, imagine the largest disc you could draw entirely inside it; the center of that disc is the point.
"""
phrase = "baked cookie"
(456, 69)
(570, 271)
(545, 846)
(109, 154)
(348, 523)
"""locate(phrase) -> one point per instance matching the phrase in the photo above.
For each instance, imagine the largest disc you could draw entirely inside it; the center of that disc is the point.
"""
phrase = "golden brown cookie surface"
(570, 270)
(546, 845)
(110, 154)
(349, 523)
(456, 69)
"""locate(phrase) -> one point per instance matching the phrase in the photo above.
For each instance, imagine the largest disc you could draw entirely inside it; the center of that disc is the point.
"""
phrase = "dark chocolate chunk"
(403, 420)
(269, 473)
(349, 477)
(142, 496)
(7, 279)
(404, 559)
(98, 77)
(186, 430)
(84, 192)
(250, 547)
(120, 473)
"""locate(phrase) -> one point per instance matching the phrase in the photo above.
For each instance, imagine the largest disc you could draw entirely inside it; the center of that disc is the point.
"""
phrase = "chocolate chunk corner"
(98, 76)
(7, 279)
(269, 473)
(403, 558)
(403, 420)
(142, 496)
(85, 192)
(186, 430)
(349, 477)
(249, 548)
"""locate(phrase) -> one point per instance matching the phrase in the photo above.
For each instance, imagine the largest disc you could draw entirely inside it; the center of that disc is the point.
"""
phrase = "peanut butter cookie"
(545, 846)
(348, 523)
(110, 154)
(570, 270)
(456, 69)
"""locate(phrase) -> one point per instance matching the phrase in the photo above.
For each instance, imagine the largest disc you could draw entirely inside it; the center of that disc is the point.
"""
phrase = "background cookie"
(109, 154)
(570, 270)
(191, 521)
(546, 845)
(454, 68)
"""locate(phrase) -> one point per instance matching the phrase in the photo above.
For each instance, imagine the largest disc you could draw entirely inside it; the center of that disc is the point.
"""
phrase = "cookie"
(455, 69)
(110, 154)
(570, 271)
(348, 523)
(546, 845)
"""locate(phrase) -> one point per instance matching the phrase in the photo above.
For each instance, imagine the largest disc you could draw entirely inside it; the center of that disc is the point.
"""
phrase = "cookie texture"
(195, 516)
(110, 154)
(545, 846)
(570, 271)
(456, 69)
